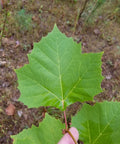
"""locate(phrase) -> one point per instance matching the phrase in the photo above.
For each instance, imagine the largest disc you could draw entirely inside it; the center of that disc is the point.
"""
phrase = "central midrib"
(60, 77)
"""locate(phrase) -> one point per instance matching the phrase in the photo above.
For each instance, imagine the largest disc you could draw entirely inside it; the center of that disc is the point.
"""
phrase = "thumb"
(67, 139)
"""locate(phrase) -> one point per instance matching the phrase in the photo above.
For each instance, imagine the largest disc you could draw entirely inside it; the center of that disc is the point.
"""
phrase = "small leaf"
(48, 132)
(99, 124)
(58, 74)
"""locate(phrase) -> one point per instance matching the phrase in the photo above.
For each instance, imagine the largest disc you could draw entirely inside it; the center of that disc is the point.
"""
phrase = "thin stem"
(76, 22)
(80, 12)
(72, 136)
(3, 29)
(91, 11)
(66, 126)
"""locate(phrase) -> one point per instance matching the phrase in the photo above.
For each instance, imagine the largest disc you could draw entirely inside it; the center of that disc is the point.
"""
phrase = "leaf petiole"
(71, 136)
(66, 128)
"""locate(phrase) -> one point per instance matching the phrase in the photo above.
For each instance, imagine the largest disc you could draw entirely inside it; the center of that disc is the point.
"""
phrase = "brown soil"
(103, 35)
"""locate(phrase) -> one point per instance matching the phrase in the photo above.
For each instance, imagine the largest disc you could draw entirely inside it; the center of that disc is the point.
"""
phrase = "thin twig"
(72, 136)
(3, 29)
(82, 10)
(79, 15)
(91, 11)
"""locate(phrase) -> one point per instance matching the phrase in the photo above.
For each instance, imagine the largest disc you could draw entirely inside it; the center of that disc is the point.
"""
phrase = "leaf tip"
(55, 28)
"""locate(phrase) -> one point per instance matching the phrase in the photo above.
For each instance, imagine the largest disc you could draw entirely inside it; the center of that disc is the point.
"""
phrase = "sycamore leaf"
(99, 124)
(58, 74)
(48, 132)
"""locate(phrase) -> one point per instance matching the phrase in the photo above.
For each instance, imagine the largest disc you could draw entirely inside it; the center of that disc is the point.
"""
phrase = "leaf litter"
(14, 51)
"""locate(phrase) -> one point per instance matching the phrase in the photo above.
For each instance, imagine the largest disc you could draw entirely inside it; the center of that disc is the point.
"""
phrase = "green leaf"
(99, 124)
(58, 74)
(48, 132)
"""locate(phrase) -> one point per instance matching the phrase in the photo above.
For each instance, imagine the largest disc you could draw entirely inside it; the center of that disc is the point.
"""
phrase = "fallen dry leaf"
(2, 63)
(17, 44)
(96, 31)
(8, 41)
(10, 110)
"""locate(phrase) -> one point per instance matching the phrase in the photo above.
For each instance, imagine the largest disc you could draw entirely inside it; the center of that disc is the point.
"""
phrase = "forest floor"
(39, 18)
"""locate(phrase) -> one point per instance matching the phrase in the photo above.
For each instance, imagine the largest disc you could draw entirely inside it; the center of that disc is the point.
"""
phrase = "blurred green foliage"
(105, 8)
(93, 8)
(24, 20)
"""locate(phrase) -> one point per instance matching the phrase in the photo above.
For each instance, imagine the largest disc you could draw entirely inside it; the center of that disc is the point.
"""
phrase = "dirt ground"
(101, 35)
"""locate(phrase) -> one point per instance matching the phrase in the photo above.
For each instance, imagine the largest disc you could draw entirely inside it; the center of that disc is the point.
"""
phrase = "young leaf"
(48, 132)
(58, 74)
(99, 124)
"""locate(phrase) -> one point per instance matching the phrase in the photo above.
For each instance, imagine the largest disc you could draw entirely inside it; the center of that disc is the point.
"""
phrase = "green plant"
(26, 46)
(97, 5)
(87, 11)
(24, 20)
(59, 74)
